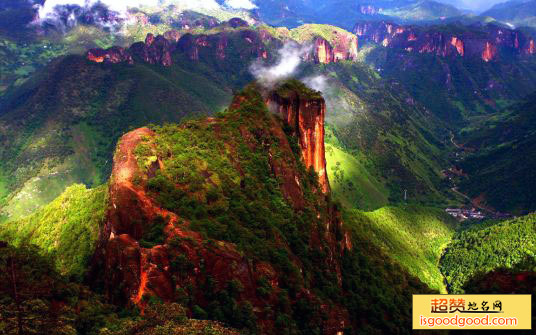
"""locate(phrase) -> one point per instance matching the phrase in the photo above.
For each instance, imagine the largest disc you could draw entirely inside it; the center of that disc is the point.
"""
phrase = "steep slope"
(519, 13)
(395, 139)
(69, 226)
(501, 172)
(222, 214)
(456, 71)
(61, 127)
(35, 298)
(413, 236)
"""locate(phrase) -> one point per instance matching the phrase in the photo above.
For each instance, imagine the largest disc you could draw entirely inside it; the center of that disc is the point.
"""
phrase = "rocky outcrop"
(489, 53)
(112, 55)
(485, 42)
(248, 43)
(173, 36)
(159, 49)
(185, 262)
(322, 51)
(305, 115)
(342, 49)
(155, 50)
(341, 46)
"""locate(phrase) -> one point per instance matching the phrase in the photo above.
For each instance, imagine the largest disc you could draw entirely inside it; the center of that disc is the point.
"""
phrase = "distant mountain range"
(517, 12)
(244, 162)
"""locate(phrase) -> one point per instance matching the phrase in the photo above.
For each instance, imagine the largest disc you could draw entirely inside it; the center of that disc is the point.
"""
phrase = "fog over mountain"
(474, 5)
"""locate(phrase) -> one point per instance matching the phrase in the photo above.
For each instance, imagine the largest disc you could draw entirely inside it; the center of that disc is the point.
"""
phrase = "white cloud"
(48, 10)
(288, 62)
(240, 4)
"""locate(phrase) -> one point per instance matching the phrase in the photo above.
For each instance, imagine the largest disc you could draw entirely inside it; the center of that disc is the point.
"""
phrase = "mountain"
(344, 13)
(175, 167)
(456, 71)
(519, 13)
(231, 216)
(60, 127)
(501, 170)
(29, 42)
(48, 302)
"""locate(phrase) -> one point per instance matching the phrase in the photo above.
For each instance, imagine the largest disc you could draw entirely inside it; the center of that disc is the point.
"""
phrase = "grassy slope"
(75, 112)
(372, 118)
(307, 32)
(423, 10)
(486, 247)
(67, 228)
(352, 183)
(503, 167)
(413, 236)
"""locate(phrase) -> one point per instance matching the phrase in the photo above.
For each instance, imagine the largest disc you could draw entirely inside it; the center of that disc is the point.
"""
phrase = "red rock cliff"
(484, 42)
(341, 46)
(306, 117)
(155, 50)
(131, 272)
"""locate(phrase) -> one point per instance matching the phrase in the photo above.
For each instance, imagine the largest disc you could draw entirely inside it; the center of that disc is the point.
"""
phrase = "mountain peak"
(263, 158)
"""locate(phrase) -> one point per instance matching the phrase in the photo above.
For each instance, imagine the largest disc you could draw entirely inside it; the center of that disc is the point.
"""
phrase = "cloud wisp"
(290, 57)
(110, 13)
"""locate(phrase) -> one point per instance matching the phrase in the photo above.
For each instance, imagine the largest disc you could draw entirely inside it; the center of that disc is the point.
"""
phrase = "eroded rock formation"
(155, 50)
(341, 47)
(113, 55)
(235, 38)
(486, 43)
(306, 117)
(132, 272)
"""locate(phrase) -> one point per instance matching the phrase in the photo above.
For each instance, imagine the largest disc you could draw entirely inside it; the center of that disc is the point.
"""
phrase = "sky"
(475, 5)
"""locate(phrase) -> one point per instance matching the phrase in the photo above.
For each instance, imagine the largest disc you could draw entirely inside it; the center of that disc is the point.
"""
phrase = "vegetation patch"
(413, 236)
(351, 181)
(485, 247)
(67, 228)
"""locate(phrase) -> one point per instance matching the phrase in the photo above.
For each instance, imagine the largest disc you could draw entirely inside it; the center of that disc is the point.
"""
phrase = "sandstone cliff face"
(113, 55)
(344, 47)
(155, 50)
(333, 46)
(306, 117)
(160, 49)
(131, 273)
(215, 46)
(245, 44)
(486, 43)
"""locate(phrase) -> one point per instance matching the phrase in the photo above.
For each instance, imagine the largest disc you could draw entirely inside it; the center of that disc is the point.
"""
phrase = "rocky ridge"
(488, 43)
(253, 42)
(132, 272)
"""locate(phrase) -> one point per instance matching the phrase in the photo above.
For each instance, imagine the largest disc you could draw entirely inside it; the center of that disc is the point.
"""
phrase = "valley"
(261, 167)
